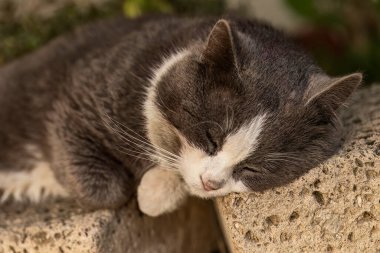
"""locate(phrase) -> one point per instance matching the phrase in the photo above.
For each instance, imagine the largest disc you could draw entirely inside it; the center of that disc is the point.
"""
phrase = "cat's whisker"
(136, 156)
(159, 97)
(289, 157)
(285, 155)
(148, 157)
(125, 138)
(229, 119)
(157, 157)
(148, 154)
(149, 151)
(144, 141)
(232, 119)
(284, 160)
(173, 171)
(280, 160)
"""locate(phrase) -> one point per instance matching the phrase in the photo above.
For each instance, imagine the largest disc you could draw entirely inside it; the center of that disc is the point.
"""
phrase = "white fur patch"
(150, 109)
(167, 64)
(34, 185)
(160, 191)
(153, 116)
(34, 151)
(238, 146)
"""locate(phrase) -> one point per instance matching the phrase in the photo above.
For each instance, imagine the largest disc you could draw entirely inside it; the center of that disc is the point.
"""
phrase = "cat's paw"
(160, 191)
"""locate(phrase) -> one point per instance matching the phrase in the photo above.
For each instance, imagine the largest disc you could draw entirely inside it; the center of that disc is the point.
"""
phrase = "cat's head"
(243, 110)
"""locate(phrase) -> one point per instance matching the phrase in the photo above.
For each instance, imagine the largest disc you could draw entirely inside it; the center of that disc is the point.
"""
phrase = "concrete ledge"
(62, 227)
(334, 208)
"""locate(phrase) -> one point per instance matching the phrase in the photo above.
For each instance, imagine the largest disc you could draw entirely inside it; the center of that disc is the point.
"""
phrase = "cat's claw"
(160, 191)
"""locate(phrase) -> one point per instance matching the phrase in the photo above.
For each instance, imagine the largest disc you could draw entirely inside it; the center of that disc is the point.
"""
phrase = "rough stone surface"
(62, 227)
(334, 208)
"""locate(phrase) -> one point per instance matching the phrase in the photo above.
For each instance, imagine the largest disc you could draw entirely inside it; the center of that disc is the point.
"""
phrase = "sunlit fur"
(34, 185)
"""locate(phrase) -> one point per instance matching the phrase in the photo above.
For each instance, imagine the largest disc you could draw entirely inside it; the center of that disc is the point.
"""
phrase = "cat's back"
(40, 74)
(29, 85)
(103, 39)
(148, 39)
(69, 47)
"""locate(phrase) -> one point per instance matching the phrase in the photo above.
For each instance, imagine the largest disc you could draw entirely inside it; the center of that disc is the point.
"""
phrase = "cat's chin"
(200, 193)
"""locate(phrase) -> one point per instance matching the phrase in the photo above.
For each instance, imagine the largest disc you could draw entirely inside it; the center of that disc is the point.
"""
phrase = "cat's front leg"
(93, 176)
(160, 191)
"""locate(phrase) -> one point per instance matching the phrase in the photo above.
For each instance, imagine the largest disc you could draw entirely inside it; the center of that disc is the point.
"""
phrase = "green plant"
(344, 34)
(21, 36)
(133, 8)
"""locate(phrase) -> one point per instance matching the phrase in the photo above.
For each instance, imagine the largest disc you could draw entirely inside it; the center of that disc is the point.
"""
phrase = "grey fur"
(64, 98)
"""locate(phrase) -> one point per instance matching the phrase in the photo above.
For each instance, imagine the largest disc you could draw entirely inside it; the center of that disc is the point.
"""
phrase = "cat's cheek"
(239, 186)
(192, 167)
(230, 187)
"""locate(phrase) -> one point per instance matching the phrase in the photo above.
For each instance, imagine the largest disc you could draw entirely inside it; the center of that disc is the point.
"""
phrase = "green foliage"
(210, 7)
(308, 9)
(133, 8)
(345, 34)
(21, 36)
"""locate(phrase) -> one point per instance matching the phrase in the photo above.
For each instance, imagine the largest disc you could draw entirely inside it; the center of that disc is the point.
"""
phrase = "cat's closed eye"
(247, 170)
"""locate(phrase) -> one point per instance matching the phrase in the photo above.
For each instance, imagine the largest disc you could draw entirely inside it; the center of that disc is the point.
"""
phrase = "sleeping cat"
(172, 106)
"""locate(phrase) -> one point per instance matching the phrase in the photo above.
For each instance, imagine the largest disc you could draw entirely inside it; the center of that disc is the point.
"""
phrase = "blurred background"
(342, 35)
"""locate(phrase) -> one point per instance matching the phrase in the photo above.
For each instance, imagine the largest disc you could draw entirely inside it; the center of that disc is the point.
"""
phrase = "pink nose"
(210, 185)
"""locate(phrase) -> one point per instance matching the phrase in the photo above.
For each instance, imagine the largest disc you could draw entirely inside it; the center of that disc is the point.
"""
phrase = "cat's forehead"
(238, 145)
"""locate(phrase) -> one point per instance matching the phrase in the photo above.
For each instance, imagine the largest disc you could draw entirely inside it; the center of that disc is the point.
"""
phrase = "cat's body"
(103, 105)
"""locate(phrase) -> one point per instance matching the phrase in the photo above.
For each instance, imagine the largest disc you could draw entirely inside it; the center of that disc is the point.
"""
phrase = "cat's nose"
(211, 185)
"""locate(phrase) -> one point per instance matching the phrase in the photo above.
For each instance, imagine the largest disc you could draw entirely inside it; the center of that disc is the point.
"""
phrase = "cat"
(169, 106)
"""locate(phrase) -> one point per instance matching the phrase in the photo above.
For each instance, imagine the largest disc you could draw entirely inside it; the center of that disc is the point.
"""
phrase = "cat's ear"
(220, 49)
(331, 92)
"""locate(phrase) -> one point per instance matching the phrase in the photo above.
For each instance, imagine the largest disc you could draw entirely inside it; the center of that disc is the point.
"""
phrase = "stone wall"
(63, 227)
